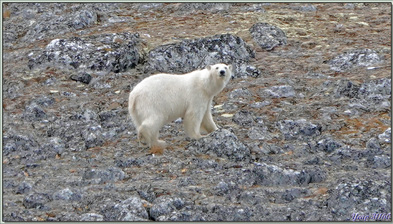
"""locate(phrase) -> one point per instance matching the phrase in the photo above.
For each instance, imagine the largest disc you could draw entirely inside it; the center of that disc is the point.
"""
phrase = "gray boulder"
(115, 52)
(279, 92)
(36, 200)
(361, 196)
(268, 36)
(299, 129)
(354, 58)
(112, 174)
(130, 209)
(91, 217)
(385, 137)
(221, 143)
(164, 206)
(67, 195)
(190, 55)
(272, 175)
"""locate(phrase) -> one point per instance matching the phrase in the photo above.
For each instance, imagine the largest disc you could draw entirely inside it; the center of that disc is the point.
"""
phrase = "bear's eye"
(226, 67)
(216, 67)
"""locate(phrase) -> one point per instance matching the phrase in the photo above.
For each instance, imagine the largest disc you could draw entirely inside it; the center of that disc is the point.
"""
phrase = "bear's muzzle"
(222, 73)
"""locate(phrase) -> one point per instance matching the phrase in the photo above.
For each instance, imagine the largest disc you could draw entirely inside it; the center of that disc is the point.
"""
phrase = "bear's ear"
(209, 67)
(230, 67)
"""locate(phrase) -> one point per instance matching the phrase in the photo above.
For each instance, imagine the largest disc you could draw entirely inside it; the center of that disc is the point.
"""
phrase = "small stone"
(386, 136)
(84, 78)
(24, 187)
(36, 200)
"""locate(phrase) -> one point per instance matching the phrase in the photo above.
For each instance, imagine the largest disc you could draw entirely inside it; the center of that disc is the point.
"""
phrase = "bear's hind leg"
(144, 136)
(149, 131)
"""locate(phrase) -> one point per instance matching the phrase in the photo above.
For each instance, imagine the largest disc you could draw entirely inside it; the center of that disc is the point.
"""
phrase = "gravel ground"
(305, 124)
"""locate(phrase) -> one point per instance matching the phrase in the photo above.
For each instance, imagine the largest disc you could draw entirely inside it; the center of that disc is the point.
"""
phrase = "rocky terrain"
(305, 123)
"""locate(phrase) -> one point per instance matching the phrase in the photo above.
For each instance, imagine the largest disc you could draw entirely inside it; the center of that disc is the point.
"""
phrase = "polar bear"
(162, 98)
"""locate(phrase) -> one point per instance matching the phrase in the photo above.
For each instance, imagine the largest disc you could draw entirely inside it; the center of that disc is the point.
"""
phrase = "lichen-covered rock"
(189, 8)
(386, 136)
(221, 143)
(230, 213)
(354, 58)
(259, 133)
(131, 209)
(360, 196)
(23, 188)
(41, 21)
(382, 87)
(17, 143)
(272, 175)
(268, 36)
(240, 93)
(67, 195)
(279, 92)
(115, 52)
(328, 145)
(190, 55)
(165, 205)
(244, 118)
(111, 174)
(36, 200)
(91, 217)
(299, 129)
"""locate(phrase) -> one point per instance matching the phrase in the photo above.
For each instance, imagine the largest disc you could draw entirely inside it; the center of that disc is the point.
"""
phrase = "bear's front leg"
(208, 124)
(192, 123)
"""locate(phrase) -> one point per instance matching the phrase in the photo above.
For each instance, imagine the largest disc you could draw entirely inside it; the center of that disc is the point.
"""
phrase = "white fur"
(162, 98)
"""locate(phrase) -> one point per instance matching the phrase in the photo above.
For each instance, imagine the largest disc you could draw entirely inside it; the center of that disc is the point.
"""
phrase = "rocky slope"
(305, 122)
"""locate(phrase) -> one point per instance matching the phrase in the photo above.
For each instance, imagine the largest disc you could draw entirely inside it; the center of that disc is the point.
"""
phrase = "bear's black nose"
(222, 73)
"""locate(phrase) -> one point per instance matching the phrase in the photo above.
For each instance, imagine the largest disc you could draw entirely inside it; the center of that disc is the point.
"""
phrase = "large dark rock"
(268, 36)
(190, 55)
(115, 52)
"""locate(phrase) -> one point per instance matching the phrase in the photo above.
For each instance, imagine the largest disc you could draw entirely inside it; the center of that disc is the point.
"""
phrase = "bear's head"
(221, 72)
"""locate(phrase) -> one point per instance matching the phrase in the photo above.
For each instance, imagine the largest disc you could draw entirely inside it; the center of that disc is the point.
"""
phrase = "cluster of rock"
(253, 170)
